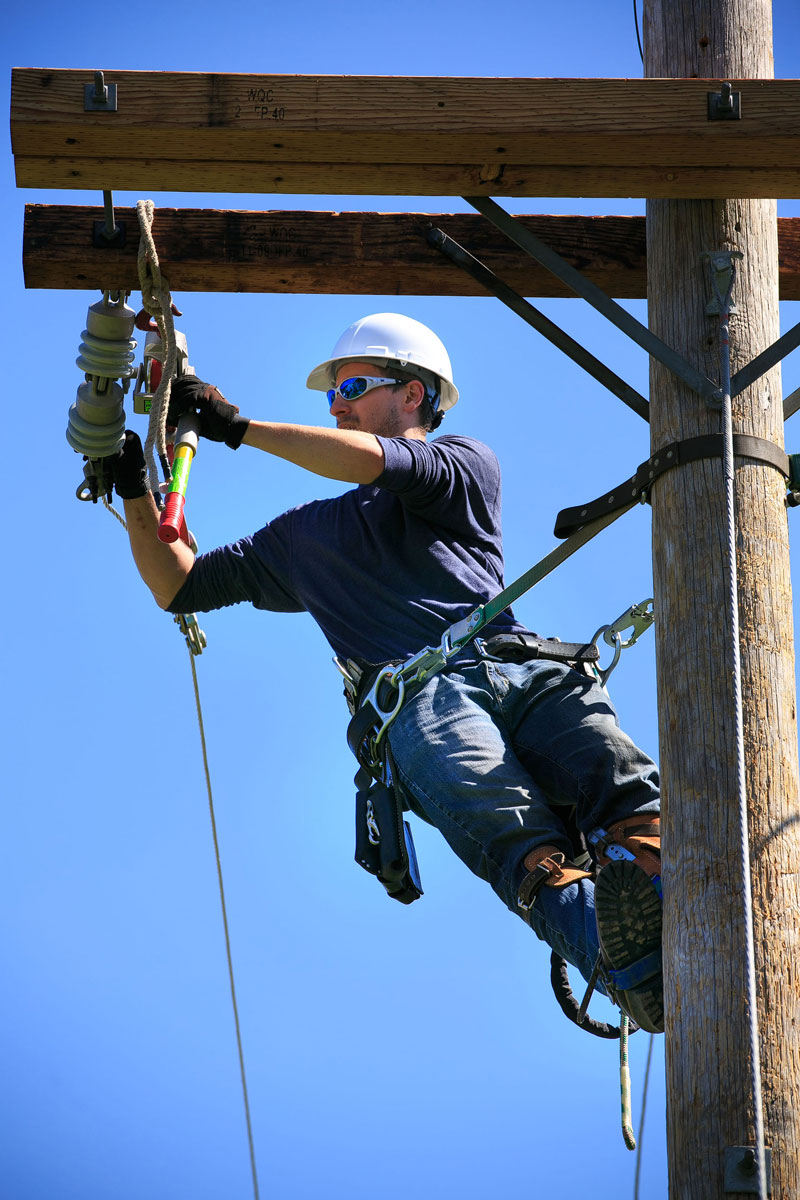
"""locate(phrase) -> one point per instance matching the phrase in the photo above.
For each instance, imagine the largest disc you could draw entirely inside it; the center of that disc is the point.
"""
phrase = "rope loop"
(157, 301)
(148, 264)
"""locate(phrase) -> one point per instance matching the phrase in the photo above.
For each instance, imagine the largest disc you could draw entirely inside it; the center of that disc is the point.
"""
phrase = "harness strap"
(636, 838)
(522, 647)
(636, 974)
(360, 732)
(708, 445)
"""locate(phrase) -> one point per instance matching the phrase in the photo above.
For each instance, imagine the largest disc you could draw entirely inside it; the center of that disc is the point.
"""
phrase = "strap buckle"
(534, 881)
(430, 660)
(392, 677)
(415, 670)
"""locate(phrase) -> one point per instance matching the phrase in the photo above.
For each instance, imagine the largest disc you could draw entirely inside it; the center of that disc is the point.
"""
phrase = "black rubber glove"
(127, 468)
(219, 420)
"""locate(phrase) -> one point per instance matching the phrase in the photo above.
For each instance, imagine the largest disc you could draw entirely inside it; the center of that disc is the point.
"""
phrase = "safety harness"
(375, 696)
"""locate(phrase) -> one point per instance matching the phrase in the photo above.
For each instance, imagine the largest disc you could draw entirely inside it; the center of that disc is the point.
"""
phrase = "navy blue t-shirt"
(383, 569)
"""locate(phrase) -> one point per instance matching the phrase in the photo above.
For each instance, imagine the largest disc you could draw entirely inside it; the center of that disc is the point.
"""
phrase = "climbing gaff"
(172, 524)
(96, 424)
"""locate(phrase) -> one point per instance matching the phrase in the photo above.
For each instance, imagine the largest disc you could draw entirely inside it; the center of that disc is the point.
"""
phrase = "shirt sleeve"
(256, 569)
(450, 480)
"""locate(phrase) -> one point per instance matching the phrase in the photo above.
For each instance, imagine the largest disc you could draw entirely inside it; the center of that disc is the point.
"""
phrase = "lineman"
(518, 763)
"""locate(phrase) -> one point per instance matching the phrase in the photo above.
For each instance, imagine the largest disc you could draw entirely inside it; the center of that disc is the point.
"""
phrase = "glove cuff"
(238, 428)
(128, 468)
(132, 491)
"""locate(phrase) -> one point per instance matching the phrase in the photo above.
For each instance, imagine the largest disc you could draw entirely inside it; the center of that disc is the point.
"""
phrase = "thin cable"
(741, 783)
(110, 508)
(636, 23)
(225, 926)
(640, 1134)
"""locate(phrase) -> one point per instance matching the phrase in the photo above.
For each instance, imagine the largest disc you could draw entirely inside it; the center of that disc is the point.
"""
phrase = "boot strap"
(641, 840)
(546, 867)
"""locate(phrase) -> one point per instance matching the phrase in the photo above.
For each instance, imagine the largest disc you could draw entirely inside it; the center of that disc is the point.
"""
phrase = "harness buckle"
(549, 867)
(394, 679)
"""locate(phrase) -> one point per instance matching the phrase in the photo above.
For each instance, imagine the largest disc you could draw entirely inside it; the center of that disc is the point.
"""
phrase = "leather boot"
(628, 910)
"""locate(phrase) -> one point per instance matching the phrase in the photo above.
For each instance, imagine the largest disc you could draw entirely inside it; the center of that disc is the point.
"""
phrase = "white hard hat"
(389, 339)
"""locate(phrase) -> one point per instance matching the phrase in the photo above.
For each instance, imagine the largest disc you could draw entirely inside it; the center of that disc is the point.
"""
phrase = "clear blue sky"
(390, 1051)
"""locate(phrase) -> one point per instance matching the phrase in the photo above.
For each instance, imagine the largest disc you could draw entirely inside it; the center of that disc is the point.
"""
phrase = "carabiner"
(639, 618)
(615, 640)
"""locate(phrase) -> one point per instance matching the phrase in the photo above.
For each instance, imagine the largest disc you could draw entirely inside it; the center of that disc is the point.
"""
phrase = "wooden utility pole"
(709, 1094)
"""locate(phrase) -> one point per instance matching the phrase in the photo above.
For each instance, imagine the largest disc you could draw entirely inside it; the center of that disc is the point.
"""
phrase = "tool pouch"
(384, 845)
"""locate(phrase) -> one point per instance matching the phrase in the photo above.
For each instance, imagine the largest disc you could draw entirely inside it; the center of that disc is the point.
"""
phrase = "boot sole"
(628, 910)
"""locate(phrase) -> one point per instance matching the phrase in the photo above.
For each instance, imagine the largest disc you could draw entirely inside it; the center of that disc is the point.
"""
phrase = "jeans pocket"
(498, 681)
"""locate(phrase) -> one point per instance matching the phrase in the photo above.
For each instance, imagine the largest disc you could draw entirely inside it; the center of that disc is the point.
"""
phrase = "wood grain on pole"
(346, 253)
(708, 1065)
(326, 134)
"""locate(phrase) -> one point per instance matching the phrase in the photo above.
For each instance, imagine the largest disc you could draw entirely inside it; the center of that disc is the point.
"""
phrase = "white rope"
(110, 508)
(625, 1084)
(157, 300)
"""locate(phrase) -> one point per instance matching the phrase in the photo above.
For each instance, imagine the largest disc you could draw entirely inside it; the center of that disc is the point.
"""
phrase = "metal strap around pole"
(595, 296)
(538, 321)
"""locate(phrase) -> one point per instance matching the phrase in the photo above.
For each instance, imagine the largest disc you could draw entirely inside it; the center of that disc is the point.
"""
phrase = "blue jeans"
(496, 754)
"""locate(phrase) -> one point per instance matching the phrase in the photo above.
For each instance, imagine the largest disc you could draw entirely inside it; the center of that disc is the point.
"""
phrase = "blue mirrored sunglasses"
(351, 389)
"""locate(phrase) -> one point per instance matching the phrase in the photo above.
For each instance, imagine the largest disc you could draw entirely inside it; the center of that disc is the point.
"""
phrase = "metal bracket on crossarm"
(606, 508)
(538, 321)
(628, 324)
(595, 296)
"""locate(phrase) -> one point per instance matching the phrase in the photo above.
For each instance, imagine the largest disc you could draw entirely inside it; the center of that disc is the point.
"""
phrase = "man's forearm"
(345, 454)
(163, 567)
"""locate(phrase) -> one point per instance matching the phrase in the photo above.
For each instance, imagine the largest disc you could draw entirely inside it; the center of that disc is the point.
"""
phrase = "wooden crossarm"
(347, 253)
(405, 135)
